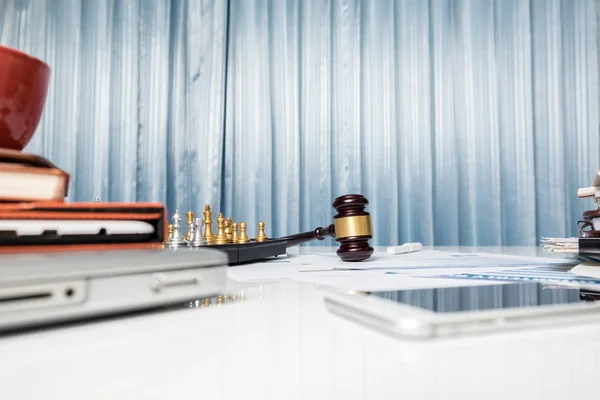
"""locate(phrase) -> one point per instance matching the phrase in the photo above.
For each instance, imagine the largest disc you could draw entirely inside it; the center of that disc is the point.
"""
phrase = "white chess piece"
(177, 240)
(196, 237)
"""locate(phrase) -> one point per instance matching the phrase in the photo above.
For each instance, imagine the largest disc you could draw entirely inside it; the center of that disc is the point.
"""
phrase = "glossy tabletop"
(277, 341)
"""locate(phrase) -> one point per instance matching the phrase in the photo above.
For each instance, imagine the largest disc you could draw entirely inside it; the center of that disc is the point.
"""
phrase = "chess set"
(351, 229)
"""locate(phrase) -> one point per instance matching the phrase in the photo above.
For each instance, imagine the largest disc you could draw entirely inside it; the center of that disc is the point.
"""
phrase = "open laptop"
(48, 288)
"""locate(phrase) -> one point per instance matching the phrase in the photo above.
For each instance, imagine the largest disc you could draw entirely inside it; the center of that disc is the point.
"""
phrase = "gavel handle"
(318, 234)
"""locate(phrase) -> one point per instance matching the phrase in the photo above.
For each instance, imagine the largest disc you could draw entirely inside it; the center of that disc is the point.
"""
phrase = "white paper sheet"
(285, 270)
(589, 268)
(370, 281)
(426, 259)
(386, 272)
(359, 280)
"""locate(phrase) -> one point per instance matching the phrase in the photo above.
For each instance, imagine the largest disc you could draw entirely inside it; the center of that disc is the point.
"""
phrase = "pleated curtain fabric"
(136, 99)
(463, 122)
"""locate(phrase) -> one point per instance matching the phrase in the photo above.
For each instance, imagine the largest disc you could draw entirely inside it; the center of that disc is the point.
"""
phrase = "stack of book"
(589, 226)
(34, 215)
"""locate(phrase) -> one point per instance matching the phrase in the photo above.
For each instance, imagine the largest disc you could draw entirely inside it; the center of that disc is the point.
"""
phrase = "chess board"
(253, 251)
(235, 243)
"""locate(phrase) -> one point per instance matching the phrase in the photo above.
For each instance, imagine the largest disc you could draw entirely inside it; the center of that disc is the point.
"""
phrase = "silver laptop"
(47, 288)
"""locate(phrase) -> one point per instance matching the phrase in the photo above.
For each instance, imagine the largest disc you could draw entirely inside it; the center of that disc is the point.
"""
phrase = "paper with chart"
(360, 280)
(372, 281)
(385, 271)
(431, 260)
(558, 275)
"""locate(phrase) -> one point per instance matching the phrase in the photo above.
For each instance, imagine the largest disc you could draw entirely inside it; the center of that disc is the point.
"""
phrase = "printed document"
(559, 276)
(385, 271)
(427, 260)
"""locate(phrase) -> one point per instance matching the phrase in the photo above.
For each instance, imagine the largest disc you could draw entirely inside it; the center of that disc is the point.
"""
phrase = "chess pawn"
(190, 234)
(243, 235)
(221, 236)
(228, 228)
(176, 240)
(189, 222)
(197, 240)
(208, 233)
(235, 237)
(261, 237)
(170, 232)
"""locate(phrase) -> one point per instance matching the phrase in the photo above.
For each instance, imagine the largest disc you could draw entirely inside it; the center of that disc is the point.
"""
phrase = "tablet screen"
(486, 297)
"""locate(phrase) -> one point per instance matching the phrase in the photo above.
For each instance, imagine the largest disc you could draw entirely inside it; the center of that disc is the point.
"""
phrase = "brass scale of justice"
(351, 228)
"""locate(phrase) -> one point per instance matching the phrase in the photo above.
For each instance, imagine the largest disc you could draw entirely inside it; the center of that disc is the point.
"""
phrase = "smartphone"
(455, 311)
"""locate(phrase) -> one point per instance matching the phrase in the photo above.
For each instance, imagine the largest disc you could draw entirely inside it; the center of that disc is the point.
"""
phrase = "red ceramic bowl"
(23, 91)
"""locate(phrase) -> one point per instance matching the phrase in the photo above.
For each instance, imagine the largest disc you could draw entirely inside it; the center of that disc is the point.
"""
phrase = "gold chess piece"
(235, 237)
(208, 233)
(189, 222)
(206, 302)
(221, 236)
(170, 232)
(261, 237)
(228, 228)
(243, 236)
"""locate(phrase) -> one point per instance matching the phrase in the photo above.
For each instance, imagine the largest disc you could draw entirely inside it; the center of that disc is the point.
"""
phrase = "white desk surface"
(280, 343)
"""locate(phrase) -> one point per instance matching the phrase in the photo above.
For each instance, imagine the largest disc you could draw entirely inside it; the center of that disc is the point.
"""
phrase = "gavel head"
(353, 229)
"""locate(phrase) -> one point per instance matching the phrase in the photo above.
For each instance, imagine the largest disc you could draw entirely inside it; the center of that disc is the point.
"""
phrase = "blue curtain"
(463, 122)
(135, 107)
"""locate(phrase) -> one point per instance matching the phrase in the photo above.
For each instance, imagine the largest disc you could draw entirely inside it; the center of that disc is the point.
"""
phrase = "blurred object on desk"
(588, 241)
(591, 218)
(589, 226)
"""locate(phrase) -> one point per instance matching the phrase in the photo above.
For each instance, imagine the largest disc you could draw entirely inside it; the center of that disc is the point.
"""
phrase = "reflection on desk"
(241, 296)
(287, 346)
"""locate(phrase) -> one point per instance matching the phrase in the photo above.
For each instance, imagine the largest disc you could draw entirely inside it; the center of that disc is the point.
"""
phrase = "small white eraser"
(405, 248)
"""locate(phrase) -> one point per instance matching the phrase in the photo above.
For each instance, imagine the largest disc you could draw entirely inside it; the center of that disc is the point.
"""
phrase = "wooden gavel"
(351, 228)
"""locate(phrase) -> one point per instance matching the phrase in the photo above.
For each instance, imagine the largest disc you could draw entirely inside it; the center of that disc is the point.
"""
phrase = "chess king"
(351, 228)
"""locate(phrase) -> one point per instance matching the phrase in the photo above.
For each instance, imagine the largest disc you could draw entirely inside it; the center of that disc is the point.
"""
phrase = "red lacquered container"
(23, 91)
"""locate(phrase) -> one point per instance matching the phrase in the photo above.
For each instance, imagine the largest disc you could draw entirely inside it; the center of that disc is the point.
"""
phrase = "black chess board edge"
(245, 253)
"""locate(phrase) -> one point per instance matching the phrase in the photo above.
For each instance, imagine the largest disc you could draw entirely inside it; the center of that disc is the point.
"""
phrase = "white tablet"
(452, 311)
